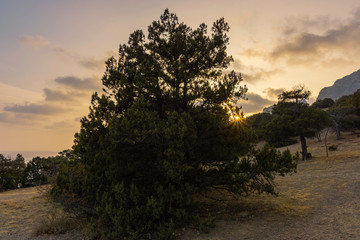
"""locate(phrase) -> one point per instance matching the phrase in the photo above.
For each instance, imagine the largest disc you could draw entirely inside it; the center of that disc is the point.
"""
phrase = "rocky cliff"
(344, 86)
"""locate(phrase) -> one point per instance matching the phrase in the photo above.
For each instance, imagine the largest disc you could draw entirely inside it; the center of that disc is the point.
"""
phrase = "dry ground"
(22, 211)
(320, 201)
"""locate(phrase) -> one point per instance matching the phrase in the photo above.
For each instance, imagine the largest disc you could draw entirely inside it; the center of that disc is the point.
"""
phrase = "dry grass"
(29, 213)
(320, 201)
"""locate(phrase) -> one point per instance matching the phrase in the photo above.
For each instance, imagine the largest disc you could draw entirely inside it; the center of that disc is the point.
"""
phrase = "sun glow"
(238, 120)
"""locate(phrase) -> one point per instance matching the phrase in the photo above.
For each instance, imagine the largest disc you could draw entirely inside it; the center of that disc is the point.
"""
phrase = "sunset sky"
(52, 54)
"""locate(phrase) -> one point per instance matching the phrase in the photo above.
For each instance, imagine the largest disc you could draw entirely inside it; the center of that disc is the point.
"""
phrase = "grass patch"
(55, 222)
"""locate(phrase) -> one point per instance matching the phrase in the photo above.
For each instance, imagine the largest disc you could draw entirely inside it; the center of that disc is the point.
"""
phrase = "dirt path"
(320, 201)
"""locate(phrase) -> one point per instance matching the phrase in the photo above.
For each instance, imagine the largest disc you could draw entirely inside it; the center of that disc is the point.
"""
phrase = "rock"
(268, 109)
(342, 87)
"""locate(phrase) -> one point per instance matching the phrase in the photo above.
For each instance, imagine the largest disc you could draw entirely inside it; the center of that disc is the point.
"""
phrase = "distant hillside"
(344, 86)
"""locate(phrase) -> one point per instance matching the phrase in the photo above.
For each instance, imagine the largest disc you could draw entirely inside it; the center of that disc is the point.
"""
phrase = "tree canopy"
(345, 113)
(165, 129)
(296, 118)
(41, 171)
(11, 172)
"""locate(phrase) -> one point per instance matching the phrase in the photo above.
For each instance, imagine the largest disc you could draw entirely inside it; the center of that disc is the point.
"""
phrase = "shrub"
(333, 147)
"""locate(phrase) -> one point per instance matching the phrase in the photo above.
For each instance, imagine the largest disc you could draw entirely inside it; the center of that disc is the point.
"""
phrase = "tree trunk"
(303, 147)
(337, 130)
(326, 147)
(318, 135)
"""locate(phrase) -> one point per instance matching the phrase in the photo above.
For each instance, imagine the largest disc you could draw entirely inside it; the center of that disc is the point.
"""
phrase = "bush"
(333, 147)
(324, 103)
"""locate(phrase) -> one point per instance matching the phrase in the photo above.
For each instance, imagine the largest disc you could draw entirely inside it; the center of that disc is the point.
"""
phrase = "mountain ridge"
(341, 87)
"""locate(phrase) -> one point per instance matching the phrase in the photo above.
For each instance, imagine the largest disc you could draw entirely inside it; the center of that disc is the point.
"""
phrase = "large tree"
(164, 130)
(292, 116)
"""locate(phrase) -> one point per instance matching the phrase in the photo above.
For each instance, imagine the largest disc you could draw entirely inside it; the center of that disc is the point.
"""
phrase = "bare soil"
(320, 201)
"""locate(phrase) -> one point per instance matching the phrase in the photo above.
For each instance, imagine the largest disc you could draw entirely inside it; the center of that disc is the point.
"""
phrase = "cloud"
(35, 108)
(57, 95)
(312, 42)
(35, 42)
(253, 74)
(39, 42)
(254, 53)
(77, 83)
(92, 63)
(294, 25)
(255, 103)
(273, 93)
(338, 42)
(69, 95)
(4, 117)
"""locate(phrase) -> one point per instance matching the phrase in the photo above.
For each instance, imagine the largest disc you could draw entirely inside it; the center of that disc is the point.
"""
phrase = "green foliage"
(295, 118)
(39, 170)
(297, 94)
(323, 103)
(11, 172)
(257, 171)
(258, 123)
(162, 132)
(346, 112)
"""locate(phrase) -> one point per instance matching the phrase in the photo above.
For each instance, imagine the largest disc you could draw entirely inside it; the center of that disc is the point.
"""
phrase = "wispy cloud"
(67, 97)
(338, 43)
(40, 42)
(273, 93)
(35, 41)
(77, 83)
(314, 41)
(253, 74)
(35, 108)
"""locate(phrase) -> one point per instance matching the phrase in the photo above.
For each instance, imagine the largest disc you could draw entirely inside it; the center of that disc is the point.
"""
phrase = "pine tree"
(165, 129)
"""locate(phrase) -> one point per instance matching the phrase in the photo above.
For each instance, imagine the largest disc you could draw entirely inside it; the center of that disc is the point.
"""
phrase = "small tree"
(41, 171)
(293, 117)
(324, 103)
(11, 172)
(345, 113)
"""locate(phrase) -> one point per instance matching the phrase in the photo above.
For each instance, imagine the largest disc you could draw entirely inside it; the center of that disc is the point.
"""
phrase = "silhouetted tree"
(164, 130)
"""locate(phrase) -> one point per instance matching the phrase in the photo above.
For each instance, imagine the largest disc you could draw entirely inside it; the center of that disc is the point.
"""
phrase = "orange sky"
(53, 52)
